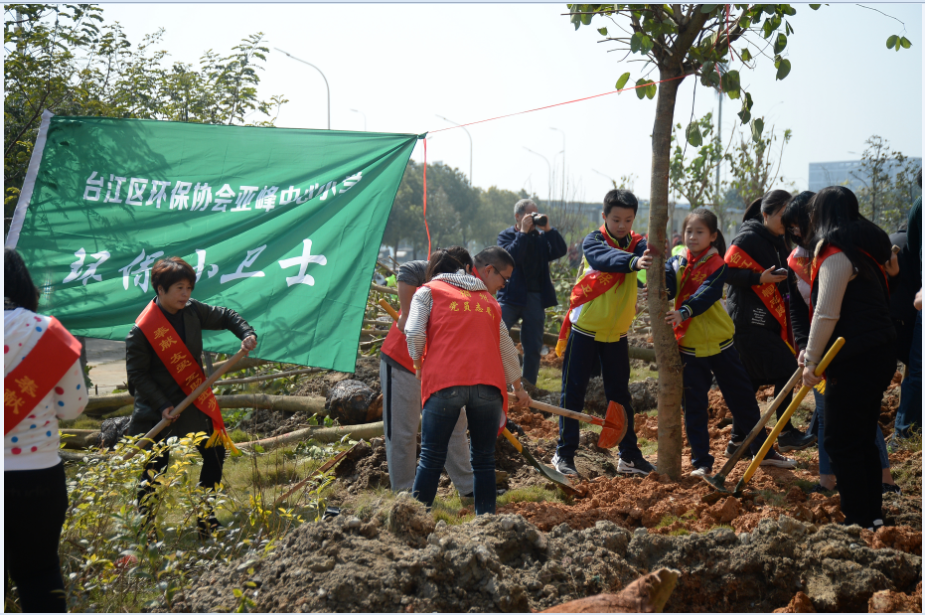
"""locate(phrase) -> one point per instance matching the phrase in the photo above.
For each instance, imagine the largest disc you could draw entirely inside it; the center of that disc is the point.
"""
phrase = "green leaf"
(783, 69)
(622, 80)
(905, 42)
(602, 31)
(746, 55)
(693, 135)
(640, 90)
(258, 449)
(780, 43)
(708, 8)
(815, 7)
(586, 19)
(731, 81)
(651, 91)
(744, 115)
(757, 126)
(891, 42)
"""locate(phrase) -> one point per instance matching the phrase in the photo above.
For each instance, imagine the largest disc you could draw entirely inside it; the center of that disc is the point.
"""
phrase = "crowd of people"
(803, 271)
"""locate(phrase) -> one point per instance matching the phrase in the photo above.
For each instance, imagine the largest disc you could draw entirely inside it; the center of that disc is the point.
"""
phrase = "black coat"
(150, 381)
(542, 248)
(766, 357)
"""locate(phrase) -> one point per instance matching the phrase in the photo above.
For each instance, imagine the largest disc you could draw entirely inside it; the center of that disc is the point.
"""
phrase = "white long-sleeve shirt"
(419, 316)
(33, 443)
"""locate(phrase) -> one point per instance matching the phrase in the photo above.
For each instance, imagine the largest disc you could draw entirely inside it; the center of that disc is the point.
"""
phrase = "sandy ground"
(106, 359)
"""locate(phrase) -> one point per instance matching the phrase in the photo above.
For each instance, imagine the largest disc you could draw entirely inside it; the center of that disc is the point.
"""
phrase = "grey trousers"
(401, 416)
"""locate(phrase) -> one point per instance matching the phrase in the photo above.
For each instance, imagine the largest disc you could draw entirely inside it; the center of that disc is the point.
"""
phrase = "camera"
(540, 219)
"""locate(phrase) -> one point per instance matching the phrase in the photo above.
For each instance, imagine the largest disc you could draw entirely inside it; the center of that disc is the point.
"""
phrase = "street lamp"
(364, 117)
(470, 143)
(607, 176)
(548, 176)
(563, 162)
(322, 76)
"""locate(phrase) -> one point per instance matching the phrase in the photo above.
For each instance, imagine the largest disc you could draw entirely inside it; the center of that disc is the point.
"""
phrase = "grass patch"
(533, 493)
(549, 378)
(639, 374)
(773, 498)
(239, 435)
(648, 447)
(81, 422)
(668, 520)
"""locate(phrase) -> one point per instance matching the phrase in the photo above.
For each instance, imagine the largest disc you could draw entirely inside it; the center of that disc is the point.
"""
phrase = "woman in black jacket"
(760, 330)
(153, 385)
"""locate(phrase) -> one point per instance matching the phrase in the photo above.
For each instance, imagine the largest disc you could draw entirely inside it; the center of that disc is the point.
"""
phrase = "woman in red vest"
(43, 382)
(470, 359)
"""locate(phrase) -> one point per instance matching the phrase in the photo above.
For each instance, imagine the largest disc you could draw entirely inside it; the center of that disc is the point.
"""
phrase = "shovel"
(148, 438)
(550, 474)
(718, 480)
(614, 422)
(820, 369)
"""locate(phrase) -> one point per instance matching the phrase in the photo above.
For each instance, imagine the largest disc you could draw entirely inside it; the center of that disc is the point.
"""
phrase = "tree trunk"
(670, 382)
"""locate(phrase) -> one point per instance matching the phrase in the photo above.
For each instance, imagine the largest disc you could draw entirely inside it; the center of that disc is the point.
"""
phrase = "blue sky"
(403, 65)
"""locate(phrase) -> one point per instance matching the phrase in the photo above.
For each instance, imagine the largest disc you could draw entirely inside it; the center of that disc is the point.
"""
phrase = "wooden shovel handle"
(149, 437)
(571, 414)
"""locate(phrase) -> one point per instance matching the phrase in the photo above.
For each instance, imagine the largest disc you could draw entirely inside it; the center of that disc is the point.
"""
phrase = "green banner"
(282, 225)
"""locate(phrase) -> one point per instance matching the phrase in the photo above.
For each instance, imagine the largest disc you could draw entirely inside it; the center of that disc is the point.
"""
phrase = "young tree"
(752, 168)
(681, 40)
(693, 179)
(888, 178)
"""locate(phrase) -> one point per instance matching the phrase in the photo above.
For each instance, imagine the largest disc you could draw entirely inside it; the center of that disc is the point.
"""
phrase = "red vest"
(463, 342)
(396, 347)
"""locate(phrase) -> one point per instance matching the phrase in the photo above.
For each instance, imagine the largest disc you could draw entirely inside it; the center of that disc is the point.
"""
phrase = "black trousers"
(35, 503)
(853, 391)
(213, 460)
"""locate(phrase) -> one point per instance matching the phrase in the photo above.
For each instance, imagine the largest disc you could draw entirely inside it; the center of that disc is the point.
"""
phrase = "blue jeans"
(531, 332)
(817, 426)
(909, 414)
(484, 410)
(737, 390)
(582, 355)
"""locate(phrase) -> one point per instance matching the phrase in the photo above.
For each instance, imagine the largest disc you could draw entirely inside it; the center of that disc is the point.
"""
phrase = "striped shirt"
(419, 315)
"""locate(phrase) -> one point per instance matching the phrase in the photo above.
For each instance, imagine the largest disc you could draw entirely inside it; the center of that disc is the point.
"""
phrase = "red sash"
(38, 373)
(182, 366)
(463, 342)
(738, 258)
(591, 286)
(706, 265)
(801, 266)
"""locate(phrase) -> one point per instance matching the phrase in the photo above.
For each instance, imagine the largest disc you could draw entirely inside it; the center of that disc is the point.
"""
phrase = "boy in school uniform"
(602, 306)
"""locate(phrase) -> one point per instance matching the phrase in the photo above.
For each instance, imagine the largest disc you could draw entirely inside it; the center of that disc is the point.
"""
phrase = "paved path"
(106, 359)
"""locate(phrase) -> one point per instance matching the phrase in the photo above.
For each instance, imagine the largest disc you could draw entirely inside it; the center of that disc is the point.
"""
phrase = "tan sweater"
(834, 274)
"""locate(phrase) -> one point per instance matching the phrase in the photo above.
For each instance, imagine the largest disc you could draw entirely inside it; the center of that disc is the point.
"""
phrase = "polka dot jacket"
(33, 444)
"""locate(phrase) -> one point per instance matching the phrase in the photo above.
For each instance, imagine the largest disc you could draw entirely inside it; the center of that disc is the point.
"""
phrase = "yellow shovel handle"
(769, 442)
(388, 308)
(514, 441)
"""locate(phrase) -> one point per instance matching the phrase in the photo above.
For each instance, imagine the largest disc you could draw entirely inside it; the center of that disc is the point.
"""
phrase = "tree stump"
(349, 402)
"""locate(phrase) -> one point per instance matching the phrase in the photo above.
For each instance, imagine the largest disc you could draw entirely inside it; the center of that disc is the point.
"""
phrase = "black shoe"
(818, 488)
(732, 447)
(794, 440)
(887, 488)
(565, 466)
(639, 466)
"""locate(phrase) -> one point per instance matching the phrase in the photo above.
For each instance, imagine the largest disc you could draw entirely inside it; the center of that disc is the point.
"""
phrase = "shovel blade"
(551, 474)
(611, 436)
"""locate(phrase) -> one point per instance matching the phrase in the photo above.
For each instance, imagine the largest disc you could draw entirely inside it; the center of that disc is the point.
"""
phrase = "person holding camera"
(533, 243)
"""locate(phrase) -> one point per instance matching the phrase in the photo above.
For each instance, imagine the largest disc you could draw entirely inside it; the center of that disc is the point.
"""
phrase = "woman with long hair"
(757, 302)
(798, 229)
(42, 382)
(852, 259)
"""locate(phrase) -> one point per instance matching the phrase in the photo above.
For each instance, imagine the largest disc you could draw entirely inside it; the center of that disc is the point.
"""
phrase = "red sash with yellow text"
(38, 373)
(591, 286)
(738, 258)
(801, 266)
(694, 275)
(182, 366)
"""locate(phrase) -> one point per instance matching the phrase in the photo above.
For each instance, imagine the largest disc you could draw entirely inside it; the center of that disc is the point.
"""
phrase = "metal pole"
(470, 143)
(548, 176)
(327, 87)
(364, 117)
(563, 163)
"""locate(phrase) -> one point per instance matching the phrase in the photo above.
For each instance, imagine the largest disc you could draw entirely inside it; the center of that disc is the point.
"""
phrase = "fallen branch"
(383, 289)
(243, 364)
(272, 376)
(330, 463)
(324, 434)
(104, 404)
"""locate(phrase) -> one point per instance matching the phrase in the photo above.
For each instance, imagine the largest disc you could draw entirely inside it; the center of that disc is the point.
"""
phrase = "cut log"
(349, 401)
(273, 376)
(245, 363)
(383, 289)
(80, 438)
(323, 434)
(105, 404)
(647, 594)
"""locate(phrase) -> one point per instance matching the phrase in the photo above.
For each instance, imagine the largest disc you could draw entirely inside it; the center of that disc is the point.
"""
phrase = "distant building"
(846, 173)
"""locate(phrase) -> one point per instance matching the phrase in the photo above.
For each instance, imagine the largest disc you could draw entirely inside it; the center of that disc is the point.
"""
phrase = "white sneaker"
(773, 458)
(700, 472)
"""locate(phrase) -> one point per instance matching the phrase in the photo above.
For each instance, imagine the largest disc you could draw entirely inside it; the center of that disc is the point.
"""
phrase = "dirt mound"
(365, 467)
(503, 563)
(350, 402)
(800, 604)
(533, 423)
(267, 423)
(367, 372)
(901, 538)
